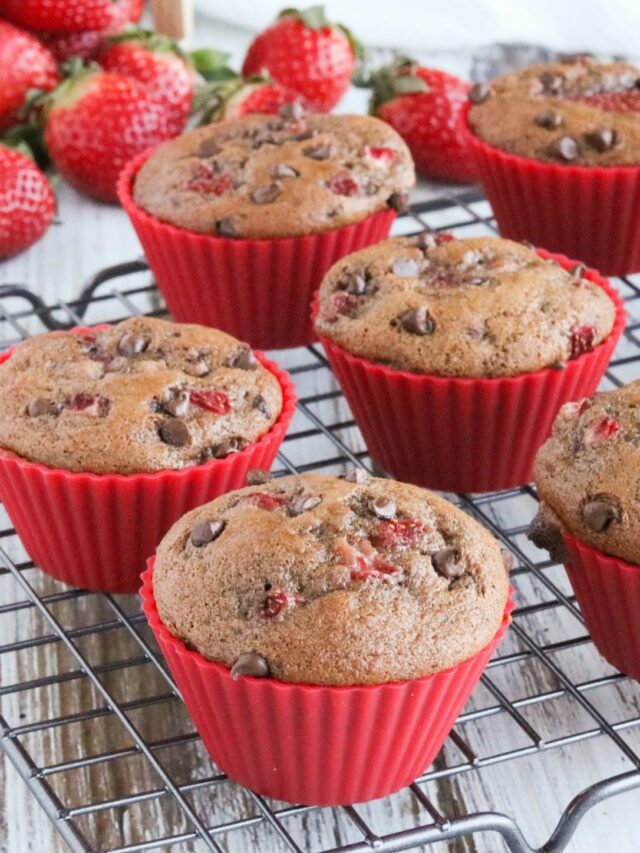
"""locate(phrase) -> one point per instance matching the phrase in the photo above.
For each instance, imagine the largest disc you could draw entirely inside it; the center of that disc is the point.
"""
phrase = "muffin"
(278, 197)
(558, 153)
(122, 429)
(455, 355)
(586, 476)
(342, 601)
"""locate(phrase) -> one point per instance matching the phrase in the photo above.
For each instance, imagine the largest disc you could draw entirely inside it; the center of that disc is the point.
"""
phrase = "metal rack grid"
(131, 774)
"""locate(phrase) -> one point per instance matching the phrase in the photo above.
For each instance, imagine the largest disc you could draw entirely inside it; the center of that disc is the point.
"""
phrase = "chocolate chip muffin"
(587, 476)
(579, 112)
(484, 307)
(143, 395)
(327, 580)
(266, 177)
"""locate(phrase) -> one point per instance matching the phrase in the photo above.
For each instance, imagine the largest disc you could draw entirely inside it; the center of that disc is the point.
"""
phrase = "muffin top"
(266, 177)
(327, 580)
(482, 307)
(578, 111)
(587, 475)
(143, 395)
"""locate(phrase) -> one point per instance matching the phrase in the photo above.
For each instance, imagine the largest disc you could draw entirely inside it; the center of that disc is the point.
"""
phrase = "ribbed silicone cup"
(257, 290)
(314, 744)
(586, 212)
(96, 530)
(457, 434)
(608, 592)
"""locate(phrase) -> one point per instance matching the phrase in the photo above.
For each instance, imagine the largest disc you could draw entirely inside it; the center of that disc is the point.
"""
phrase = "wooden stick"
(173, 17)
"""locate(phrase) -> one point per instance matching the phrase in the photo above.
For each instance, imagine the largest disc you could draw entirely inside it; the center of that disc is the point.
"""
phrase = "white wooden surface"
(534, 790)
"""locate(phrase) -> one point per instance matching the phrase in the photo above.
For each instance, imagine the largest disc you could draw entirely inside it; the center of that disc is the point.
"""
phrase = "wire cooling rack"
(94, 725)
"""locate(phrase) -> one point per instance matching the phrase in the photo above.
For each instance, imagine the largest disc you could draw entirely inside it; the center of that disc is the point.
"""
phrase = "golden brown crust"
(130, 398)
(587, 471)
(264, 177)
(339, 592)
(530, 111)
(486, 307)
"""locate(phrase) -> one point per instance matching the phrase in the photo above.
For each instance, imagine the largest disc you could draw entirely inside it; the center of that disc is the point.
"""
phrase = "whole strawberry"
(230, 99)
(27, 203)
(156, 62)
(61, 16)
(24, 65)
(87, 43)
(426, 107)
(303, 51)
(97, 122)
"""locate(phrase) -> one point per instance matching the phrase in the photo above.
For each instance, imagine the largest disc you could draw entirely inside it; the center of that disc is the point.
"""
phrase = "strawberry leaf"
(314, 17)
(211, 64)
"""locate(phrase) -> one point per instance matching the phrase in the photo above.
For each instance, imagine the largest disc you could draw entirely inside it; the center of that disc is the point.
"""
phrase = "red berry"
(264, 500)
(615, 102)
(600, 430)
(372, 568)
(305, 52)
(241, 98)
(582, 338)
(208, 181)
(153, 61)
(27, 202)
(426, 107)
(97, 123)
(577, 408)
(398, 533)
(341, 304)
(89, 404)
(379, 155)
(342, 184)
(63, 16)
(87, 43)
(24, 65)
(276, 602)
(213, 401)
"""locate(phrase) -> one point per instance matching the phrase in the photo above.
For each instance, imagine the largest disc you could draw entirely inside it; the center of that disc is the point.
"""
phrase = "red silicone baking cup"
(586, 212)
(458, 434)
(608, 592)
(260, 291)
(314, 744)
(96, 530)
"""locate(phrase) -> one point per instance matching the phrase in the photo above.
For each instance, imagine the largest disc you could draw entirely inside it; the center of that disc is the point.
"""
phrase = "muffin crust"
(587, 475)
(563, 112)
(143, 395)
(326, 580)
(484, 307)
(266, 177)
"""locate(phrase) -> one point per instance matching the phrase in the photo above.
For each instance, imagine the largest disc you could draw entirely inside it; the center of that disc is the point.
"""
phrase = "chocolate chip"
(447, 563)
(548, 119)
(207, 148)
(565, 148)
(577, 270)
(197, 367)
(291, 112)
(242, 358)
(479, 93)
(353, 283)
(258, 477)
(544, 531)
(177, 405)
(261, 405)
(303, 503)
(306, 133)
(417, 321)
(425, 240)
(383, 507)
(250, 663)
(551, 83)
(602, 139)
(507, 558)
(226, 227)
(205, 532)
(600, 512)
(357, 475)
(318, 152)
(398, 202)
(174, 432)
(265, 195)
(227, 446)
(406, 267)
(282, 170)
(133, 343)
(41, 406)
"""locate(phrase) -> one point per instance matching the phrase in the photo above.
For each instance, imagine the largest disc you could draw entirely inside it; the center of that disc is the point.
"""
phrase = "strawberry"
(581, 340)
(87, 43)
(156, 62)
(277, 602)
(25, 65)
(600, 430)
(372, 568)
(303, 51)
(27, 203)
(97, 122)
(426, 107)
(213, 401)
(230, 99)
(615, 102)
(62, 16)
(398, 533)
(264, 500)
